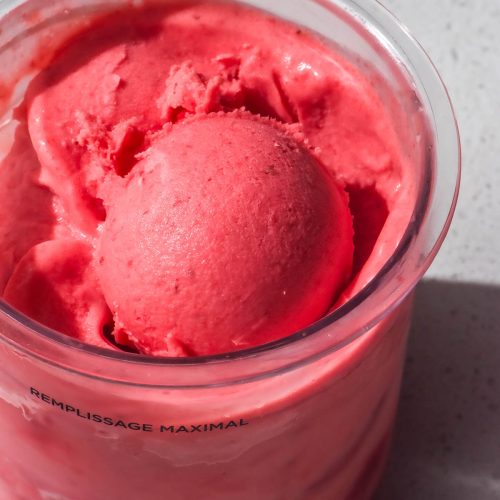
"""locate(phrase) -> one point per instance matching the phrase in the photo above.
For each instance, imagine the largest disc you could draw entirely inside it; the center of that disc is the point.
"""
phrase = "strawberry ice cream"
(211, 222)
(215, 181)
(225, 242)
(56, 284)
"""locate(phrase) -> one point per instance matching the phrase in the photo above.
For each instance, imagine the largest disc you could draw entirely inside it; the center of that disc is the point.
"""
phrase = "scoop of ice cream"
(55, 284)
(228, 234)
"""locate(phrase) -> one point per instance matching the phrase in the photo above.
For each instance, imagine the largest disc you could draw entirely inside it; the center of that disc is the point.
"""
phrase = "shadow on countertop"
(447, 439)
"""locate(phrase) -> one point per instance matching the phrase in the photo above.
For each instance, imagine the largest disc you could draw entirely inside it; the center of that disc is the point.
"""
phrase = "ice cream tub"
(302, 416)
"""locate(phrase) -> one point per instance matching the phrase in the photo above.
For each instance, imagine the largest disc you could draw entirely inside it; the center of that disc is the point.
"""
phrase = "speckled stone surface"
(447, 440)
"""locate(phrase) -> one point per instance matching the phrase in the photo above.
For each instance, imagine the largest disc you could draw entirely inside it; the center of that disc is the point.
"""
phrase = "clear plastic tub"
(308, 417)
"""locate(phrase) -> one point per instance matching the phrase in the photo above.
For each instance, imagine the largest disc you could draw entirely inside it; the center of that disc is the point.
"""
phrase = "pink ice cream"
(225, 242)
(213, 183)
(185, 180)
(56, 284)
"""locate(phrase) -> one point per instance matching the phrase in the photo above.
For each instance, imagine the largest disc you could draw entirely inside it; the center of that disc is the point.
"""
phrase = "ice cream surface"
(202, 177)
(232, 237)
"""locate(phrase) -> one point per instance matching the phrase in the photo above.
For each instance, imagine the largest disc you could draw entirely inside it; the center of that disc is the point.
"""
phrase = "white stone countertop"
(447, 441)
